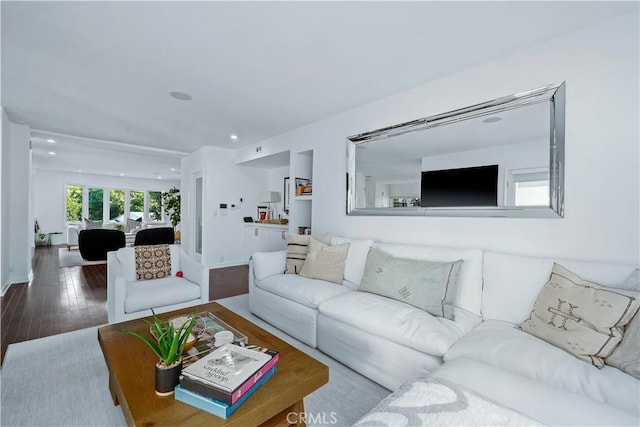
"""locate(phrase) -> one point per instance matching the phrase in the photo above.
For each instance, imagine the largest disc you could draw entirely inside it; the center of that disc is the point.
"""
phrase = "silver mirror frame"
(554, 94)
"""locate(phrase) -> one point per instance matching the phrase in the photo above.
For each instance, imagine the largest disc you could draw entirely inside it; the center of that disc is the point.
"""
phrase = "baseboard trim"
(227, 264)
(5, 288)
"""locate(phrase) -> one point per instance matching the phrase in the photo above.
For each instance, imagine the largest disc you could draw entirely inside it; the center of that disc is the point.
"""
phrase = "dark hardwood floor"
(70, 298)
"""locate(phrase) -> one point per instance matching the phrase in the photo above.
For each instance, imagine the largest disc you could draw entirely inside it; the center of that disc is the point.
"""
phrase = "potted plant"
(171, 205)
(168, 343)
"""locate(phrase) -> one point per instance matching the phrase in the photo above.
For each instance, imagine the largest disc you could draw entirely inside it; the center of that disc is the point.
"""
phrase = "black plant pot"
(167, 378)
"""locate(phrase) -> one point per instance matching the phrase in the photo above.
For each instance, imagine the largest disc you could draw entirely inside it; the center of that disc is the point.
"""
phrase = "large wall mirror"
(502, 158)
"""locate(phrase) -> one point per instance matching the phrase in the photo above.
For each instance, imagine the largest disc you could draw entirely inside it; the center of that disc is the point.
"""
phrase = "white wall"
(404, 190)
(600, 66)
(50, 194)
(17, 224)
(224, 182)
(4, 225)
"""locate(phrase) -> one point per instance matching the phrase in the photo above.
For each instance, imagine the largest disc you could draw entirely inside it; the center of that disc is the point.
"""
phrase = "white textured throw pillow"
(92, 225)
(325, 262)
(581, 317)
(626, 356)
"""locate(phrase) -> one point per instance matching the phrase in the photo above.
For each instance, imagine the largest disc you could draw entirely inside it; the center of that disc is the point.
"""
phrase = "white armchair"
(128, 298)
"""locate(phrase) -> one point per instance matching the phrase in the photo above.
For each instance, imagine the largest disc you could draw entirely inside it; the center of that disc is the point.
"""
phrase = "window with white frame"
(113, 205)
(528, 187)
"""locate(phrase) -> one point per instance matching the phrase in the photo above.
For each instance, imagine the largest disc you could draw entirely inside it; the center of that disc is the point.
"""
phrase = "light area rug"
(62, 380)
(72, 258)
(432, 402)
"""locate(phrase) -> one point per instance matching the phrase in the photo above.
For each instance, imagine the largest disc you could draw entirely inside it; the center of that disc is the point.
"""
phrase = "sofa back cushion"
(469, 293)
(356, 258)
(127, 260)
(513, 282)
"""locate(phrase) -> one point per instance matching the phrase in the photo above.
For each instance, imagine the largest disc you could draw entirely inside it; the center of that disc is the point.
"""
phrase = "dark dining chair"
(94, 244)
(155, 236)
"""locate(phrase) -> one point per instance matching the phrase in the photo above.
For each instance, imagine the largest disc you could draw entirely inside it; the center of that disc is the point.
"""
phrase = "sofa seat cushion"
(393, 320)
(305, 291)
(503, 345)
(552, 406)
(146, 294)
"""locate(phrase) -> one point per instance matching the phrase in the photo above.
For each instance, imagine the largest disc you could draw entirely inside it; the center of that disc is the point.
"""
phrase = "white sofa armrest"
(196, 273)
(267, 264)
(116, 288)
(72, 235)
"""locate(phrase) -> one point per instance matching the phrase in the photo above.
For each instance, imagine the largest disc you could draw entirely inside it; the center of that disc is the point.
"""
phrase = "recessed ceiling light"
(173, 169)
(51, 141)
(492, 120)
(80, 170)
(121, 174)
(233, 136)
(181, 96)
(159, 177)
(53, 153)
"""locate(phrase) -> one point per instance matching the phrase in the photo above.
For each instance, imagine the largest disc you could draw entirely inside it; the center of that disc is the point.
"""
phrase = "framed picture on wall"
(263, 212)
(286, 201)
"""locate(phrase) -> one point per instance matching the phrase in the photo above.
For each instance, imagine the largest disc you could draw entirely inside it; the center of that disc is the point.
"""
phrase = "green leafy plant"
(171, 205)
(169, 342)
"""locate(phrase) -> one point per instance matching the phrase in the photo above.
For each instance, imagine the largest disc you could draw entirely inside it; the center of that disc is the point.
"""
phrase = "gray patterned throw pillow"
(428, 285)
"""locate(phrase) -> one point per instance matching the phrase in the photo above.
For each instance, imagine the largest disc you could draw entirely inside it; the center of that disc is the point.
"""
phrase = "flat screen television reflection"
(475, 186)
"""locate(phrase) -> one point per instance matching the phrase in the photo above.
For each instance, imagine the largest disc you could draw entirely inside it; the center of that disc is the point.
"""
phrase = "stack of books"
(222, 380)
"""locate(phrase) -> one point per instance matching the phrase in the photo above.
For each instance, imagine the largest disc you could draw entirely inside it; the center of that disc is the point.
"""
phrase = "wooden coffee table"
(132, 379)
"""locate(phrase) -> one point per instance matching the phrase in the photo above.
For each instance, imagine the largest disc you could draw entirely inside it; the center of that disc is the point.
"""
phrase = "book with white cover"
(227, 367)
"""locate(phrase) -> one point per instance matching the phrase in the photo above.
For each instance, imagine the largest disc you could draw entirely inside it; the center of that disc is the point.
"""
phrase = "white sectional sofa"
(129, 298)
(482, 348)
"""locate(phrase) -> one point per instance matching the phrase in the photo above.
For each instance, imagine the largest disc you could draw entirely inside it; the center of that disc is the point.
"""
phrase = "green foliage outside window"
(136, 202)
(116, 203)
(155, 206)
(171, 205)
(96, 201)
(74, 203)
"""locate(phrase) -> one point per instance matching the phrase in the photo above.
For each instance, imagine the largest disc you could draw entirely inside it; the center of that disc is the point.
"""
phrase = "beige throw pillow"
(325, 262)
(580, 317)
(626, 356)
(298, 247)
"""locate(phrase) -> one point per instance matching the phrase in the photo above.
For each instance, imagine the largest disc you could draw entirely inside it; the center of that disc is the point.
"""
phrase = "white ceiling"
(257, 69)
(82, 155)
